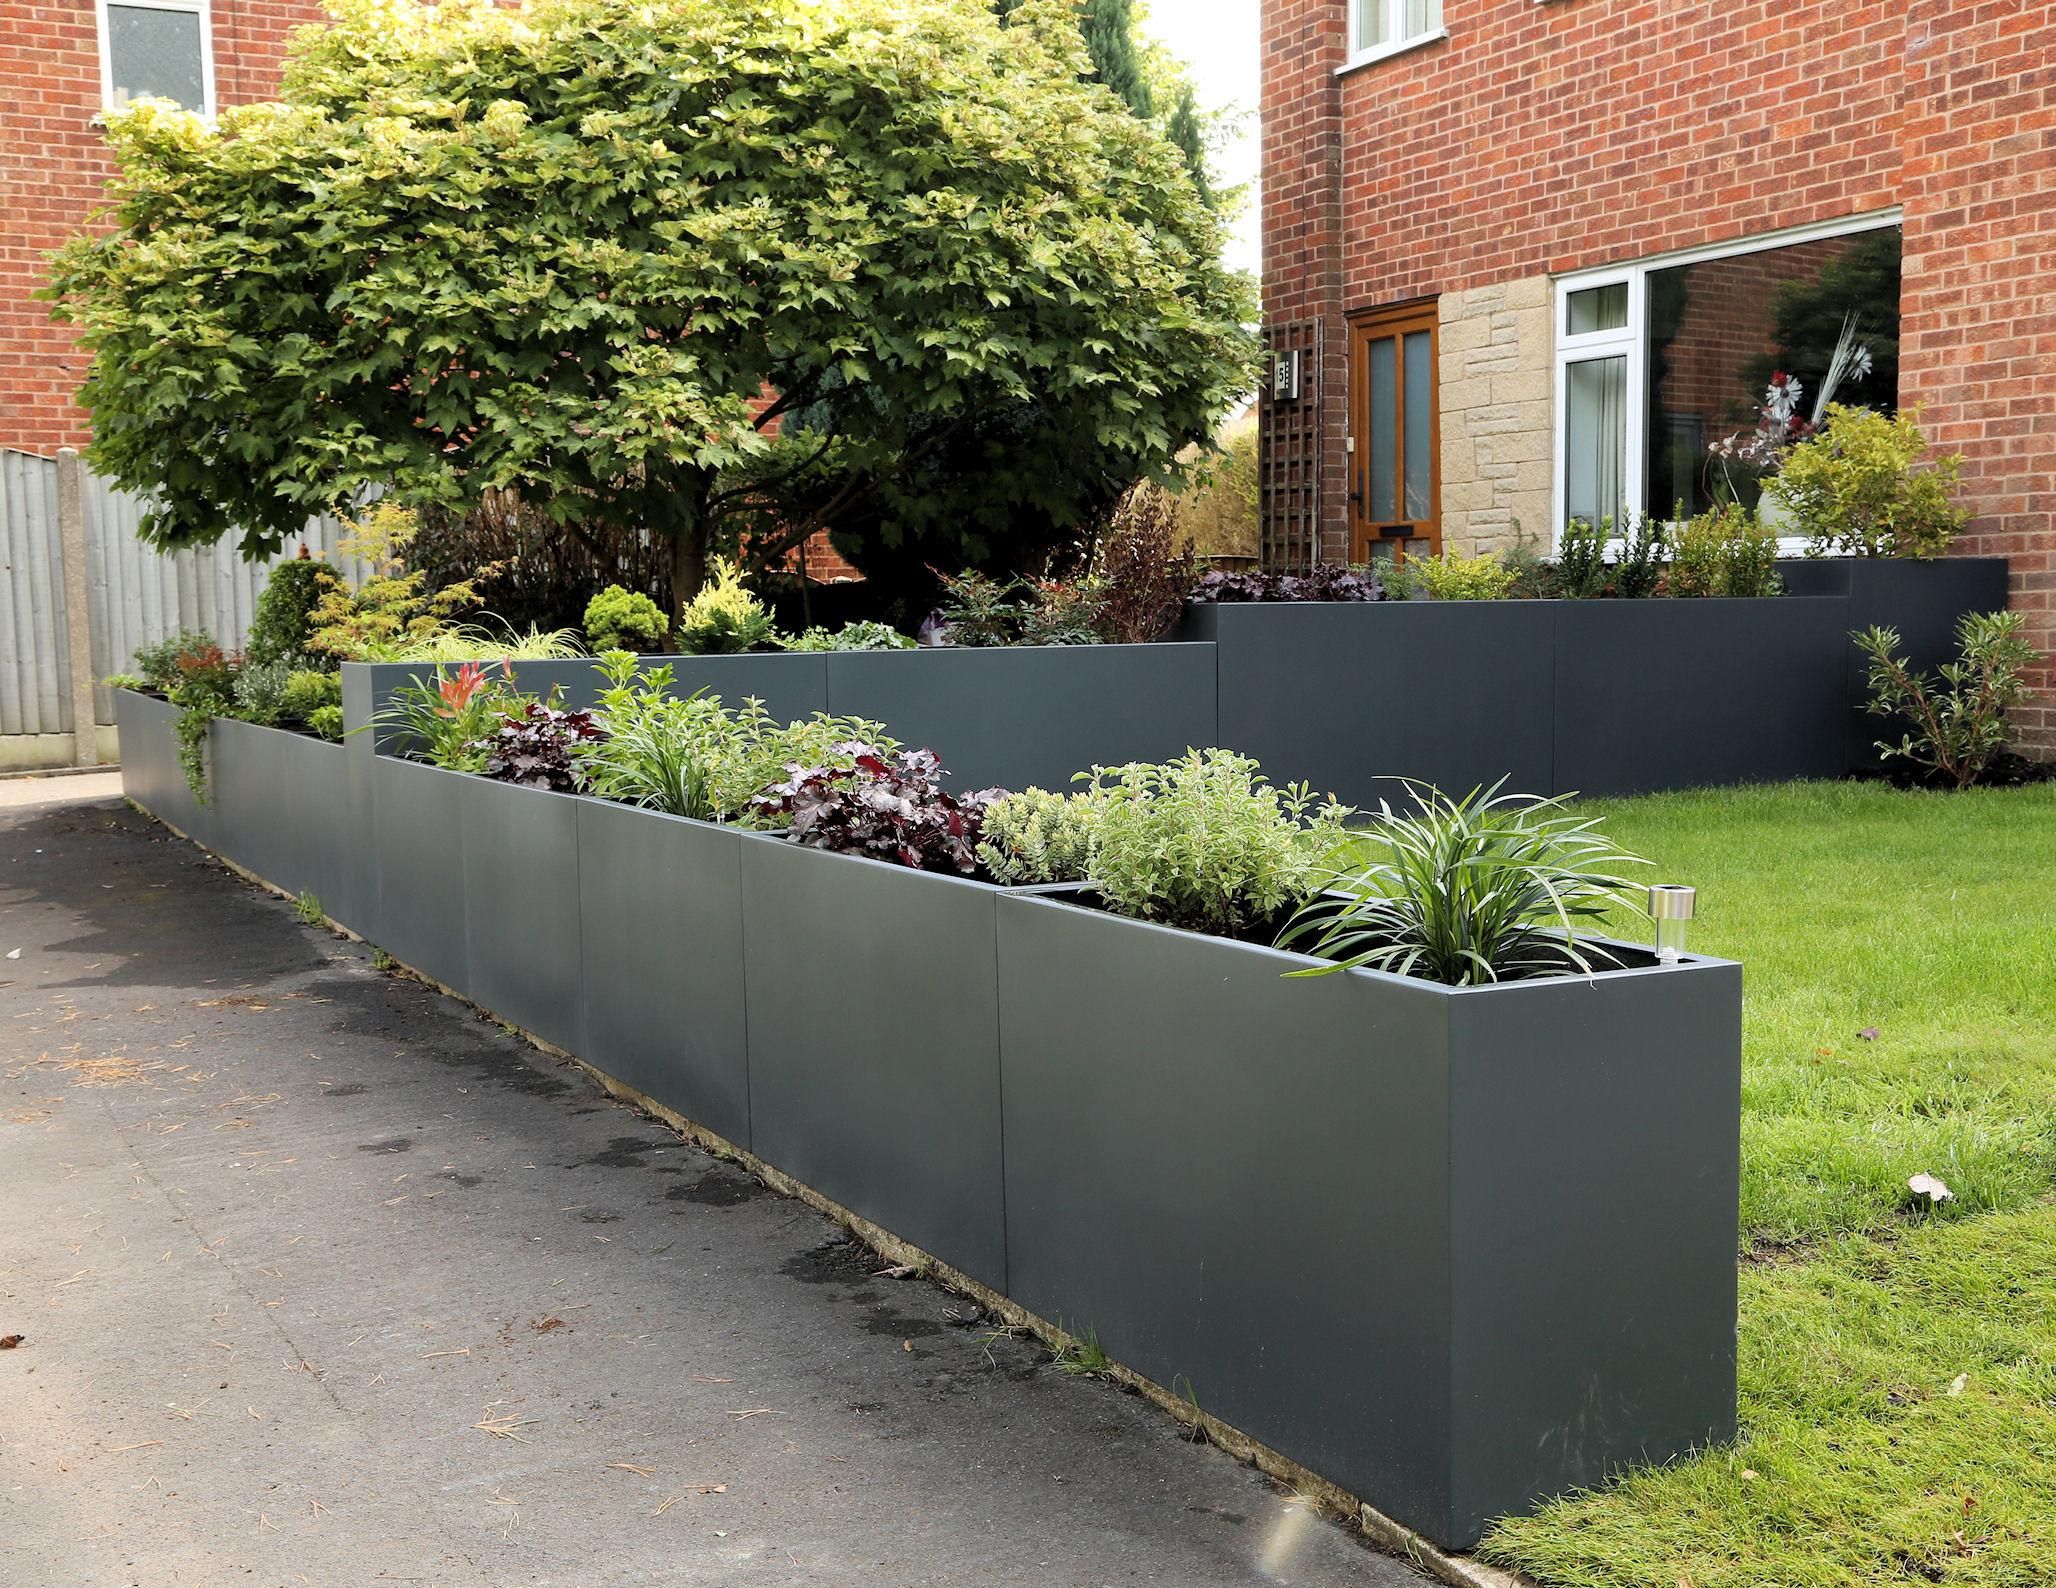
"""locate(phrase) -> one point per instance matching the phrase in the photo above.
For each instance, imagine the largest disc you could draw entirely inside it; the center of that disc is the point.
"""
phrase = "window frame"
(1361, 54)
(203, 9)
(1631, 340)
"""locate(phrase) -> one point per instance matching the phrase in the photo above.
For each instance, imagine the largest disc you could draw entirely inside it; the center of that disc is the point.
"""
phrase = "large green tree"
(597, 251)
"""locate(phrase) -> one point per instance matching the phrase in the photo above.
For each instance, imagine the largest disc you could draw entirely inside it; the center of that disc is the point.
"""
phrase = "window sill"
(1385, 52)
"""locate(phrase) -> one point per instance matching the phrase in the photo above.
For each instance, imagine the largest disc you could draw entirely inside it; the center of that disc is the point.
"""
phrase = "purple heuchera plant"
(532, 746)
(1324, 581)
(884, 804)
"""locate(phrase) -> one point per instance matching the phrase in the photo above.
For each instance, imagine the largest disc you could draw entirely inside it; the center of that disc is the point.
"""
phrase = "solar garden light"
(1670, 907)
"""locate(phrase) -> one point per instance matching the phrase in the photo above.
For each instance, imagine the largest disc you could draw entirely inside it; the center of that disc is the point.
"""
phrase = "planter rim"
(1052, 895)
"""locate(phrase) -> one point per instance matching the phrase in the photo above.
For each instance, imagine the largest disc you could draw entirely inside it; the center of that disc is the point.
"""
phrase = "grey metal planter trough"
(660, 917)
(520, 891)
(1457, 1250)
(285, 811)
(874, 1063)
(150, 773)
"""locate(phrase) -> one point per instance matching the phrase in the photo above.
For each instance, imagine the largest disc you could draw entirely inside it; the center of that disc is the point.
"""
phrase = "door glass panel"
(1596, 309)
(1595, 438)
(152, 51)
(1420, 391)
(1384, 432)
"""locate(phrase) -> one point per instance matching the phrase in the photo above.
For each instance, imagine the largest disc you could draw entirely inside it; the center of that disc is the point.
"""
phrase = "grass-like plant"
(1487, 888)
(657, 750)
(448, 720)
(481, 642)
(687, 756)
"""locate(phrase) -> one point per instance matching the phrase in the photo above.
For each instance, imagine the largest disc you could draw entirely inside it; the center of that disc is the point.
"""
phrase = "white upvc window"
(162, 49)
(1605, 328)
(1378, 28)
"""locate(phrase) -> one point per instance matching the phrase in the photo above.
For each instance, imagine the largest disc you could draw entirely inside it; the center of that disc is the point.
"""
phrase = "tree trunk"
(691, 531)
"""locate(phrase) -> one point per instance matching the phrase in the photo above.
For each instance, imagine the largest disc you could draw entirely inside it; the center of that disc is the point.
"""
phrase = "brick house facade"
(1582, 216)
(57, 72)
(62, 62)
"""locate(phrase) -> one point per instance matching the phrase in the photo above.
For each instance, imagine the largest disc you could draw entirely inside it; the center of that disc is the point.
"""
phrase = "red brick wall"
(1548, 137)
(1302, 227)
(53, 161)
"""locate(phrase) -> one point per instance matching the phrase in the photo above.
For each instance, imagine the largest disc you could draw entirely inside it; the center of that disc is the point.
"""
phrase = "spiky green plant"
(1487, 888)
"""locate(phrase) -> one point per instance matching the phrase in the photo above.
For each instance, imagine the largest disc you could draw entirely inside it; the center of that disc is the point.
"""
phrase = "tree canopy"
(597, 252)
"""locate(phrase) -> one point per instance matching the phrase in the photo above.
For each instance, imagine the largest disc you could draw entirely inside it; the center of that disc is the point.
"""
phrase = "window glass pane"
(1422, 16)
(156, 52)
(1371, 30)
(1720, 331)
(1420, 392)
(1384, 428)
(1596, 309)
(1595, 438)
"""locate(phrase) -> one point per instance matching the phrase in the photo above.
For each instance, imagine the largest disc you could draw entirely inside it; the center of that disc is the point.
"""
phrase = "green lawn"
(1863, 1460)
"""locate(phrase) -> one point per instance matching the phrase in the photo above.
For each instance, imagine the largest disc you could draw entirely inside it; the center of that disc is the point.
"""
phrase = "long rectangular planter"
(660, 913)
(285, 812)
(1455, 1249)
(418, 852)
(874, 1068)
(1033, 716)
(1348, 696)
(1922, 600)
(150, 773)
(1652, 695)
(522, 936)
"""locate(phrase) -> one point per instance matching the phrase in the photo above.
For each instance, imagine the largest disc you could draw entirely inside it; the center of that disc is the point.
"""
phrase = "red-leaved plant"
(889, 805)
(532, 746)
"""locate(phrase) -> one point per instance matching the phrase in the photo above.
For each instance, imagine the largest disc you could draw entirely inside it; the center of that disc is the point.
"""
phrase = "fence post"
(78, 615)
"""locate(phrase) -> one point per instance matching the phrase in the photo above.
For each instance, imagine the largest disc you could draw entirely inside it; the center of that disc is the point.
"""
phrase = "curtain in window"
(1595, 438)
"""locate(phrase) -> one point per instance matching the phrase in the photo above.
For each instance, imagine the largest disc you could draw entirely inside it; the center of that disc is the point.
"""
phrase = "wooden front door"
(1395, 482)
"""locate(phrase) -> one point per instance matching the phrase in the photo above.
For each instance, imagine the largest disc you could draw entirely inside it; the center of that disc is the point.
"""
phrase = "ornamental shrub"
(284, 618)
(1725, 551)
(1858, 488)
(864, 635)
(978, 609)
(1324, 581)
(1143, 569)
(1455, 577)
(158, 665)
(447, 720)
(1036, 836)
(307, 692)
(1956, 719)
(618, 619)
(607, 233)
(203, 687)
(534, 746)
(884, 804)
(1207, 843)
(261, 689)
(723, 617)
